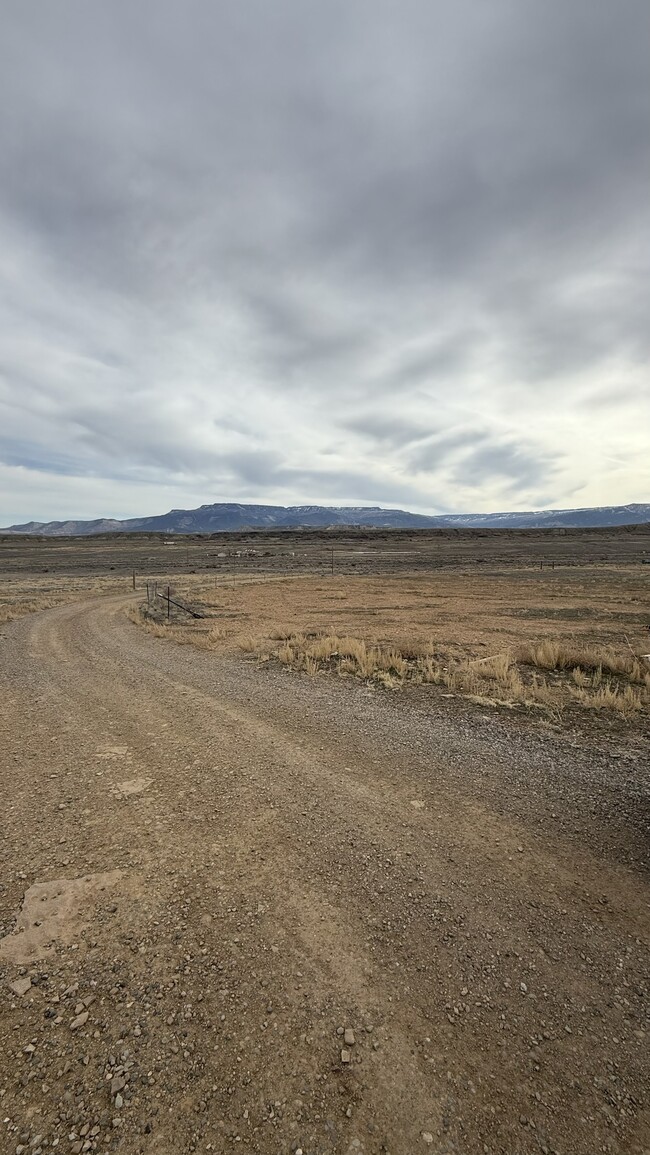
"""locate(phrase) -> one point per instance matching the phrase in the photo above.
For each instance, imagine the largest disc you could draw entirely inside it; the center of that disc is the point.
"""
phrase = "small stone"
(345, 1056)
(117, 1084)
(348, 1037)
(119, 1101)
(20, 986)
(79, 1021)
(428, 1137)
(523, 988)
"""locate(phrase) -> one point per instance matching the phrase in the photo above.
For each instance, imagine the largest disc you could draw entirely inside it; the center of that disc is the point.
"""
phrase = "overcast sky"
(340, 252)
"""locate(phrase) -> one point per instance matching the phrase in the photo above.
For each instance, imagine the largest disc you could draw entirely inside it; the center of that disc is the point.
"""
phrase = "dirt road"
(225, 868)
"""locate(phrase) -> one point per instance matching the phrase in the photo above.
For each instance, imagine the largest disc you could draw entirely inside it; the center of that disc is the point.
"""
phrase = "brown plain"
(247, 909)
(564, 637)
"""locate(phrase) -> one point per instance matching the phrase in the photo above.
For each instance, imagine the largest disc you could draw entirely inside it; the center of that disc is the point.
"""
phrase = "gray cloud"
(388, 429)
(436, 450)
(519, 465)
(358, 251)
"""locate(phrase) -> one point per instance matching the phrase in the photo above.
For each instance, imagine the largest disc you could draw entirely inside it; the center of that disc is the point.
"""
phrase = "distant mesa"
(228, 517)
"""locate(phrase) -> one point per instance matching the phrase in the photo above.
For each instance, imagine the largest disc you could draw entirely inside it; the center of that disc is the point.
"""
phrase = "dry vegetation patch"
(497, 678)
(518, 637)
(23, 595)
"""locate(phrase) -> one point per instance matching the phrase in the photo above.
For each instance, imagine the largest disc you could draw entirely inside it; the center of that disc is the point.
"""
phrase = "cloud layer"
(359, 251)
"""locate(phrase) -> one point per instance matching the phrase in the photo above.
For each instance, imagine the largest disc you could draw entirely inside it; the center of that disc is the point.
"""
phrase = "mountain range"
(224, 517)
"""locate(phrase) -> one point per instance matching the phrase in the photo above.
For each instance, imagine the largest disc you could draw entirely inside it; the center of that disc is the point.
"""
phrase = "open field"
(353, 913)
(552, 621)
(549, 640)
(355, 551)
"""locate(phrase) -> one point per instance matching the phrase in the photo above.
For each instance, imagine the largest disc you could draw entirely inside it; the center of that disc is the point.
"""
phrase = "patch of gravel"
(339, 920)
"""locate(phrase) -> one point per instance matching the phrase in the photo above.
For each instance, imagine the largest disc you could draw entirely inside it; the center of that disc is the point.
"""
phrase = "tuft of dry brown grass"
(249, 644)
(557, 655)
(11, 611)
(624, 699)
(156, 629)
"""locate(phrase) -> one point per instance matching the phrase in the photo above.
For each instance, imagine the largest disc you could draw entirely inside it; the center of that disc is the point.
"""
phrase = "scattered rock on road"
(20, 986)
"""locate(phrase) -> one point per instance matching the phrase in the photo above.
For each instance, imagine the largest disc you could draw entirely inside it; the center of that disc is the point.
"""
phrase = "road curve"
(225, 867)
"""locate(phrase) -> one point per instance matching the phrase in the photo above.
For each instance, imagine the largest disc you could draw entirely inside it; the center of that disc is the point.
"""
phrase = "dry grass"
(548, 642)
(10, 611)
(626, 700)
(249, 644)
(522, 639)
(24, 595)
(156, 629)
(495, 679)
(557, 655)
(201, 638)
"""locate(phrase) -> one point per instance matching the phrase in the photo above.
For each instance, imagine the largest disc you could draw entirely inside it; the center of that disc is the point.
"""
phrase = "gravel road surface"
(243, 909)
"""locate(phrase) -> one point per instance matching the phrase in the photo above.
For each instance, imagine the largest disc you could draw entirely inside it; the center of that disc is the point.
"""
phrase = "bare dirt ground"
(356, 551)
(210, 871)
